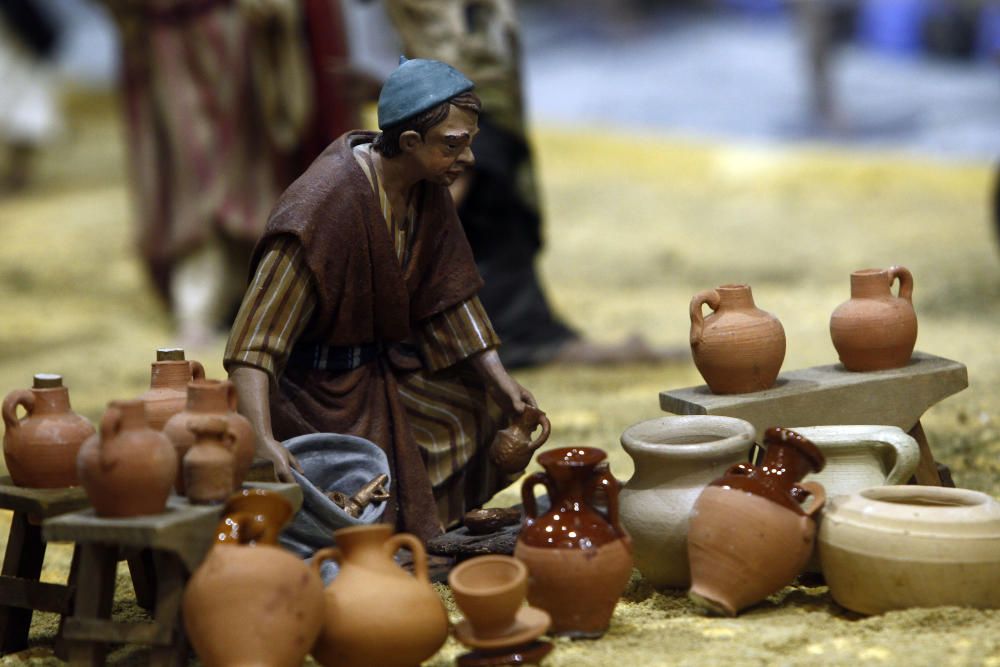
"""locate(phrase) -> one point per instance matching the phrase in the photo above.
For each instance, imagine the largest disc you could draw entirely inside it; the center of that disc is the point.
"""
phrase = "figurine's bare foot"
(634, 349)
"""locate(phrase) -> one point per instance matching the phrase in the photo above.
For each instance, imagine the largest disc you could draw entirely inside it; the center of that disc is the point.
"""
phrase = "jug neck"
(170, 375)
(789, 456)
(738, 297)
(133, 414)
(208, 396)
(870, 284)
(54, 400)
(359, 540)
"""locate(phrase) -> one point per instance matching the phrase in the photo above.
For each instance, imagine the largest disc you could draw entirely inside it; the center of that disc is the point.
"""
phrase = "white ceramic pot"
(860, 457)
(675, 459)
(895, 547)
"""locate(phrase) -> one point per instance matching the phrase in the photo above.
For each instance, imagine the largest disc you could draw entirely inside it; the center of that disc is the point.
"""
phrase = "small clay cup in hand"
(512, 447)
(489, 590)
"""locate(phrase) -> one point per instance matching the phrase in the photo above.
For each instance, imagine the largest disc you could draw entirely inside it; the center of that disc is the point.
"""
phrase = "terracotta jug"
(208, 464)
(512, 447)
(128, 468)
(251, 602)
(579, 560)
(212, 397)
(169, 377)
(40, 449)
(749, 534)
(875, 330)
(739, 347)
(675, 459)
(376, 613)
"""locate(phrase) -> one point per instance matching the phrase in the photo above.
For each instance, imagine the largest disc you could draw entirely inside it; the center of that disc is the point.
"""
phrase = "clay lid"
(170, 354)
(46, 381)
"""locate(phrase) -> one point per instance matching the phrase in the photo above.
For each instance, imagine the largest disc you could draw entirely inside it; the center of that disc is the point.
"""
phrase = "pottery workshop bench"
(832, 395)
(171, 545)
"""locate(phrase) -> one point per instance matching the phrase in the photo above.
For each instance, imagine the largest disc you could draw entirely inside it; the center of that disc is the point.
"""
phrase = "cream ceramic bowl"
(895, 547)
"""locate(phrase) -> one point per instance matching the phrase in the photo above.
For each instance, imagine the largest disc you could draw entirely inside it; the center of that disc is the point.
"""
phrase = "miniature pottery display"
(128, 468)
(376, 613)
(208, 464)
(40, 449)
(512, 448)
(739, 347)
(579, 560)
(212, 397)
(749, 534)
(675, 459)
(169, 377)
(895, 547)
(251, 602)
(876, 330)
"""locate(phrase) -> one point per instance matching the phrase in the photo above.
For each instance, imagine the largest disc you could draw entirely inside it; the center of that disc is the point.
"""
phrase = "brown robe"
(365, 296)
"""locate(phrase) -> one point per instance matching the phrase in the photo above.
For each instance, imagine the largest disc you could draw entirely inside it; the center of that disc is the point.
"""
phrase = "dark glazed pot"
(579, 559)
(749, 534)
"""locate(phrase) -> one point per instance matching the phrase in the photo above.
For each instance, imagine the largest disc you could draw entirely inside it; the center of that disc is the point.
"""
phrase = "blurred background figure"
(29, 112)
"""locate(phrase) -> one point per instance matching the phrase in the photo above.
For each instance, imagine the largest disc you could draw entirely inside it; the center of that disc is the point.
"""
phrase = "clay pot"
(675, 459)
(251, 602)
(896, 547)
(40, 449)
(578, 559)
(212, 397)
(376, 613)
(128, 469)
(875, 330)
(739, 347)
(749, 534)
(512, 448)
(208, 464)
(168, 381)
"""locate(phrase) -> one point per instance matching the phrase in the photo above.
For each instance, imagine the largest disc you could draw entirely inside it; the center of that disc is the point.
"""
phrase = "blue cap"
(416, 86)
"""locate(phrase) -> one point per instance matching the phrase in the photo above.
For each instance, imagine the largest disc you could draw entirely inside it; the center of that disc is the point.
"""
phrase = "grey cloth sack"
(331, 462)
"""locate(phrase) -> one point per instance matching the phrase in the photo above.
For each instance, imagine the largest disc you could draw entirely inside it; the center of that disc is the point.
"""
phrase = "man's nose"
(466, 158)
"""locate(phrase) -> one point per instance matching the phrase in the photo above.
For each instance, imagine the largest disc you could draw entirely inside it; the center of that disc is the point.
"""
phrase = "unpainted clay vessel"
(749, 534)
(40, 449)
(251, 602)
(675, 459)
(876, 330)
(128, 468)
(512, 448)
(376, 613)
(896, 547)
(739, 348)
(208, 464)
(167, 394)
(212, 397)
(579, 560)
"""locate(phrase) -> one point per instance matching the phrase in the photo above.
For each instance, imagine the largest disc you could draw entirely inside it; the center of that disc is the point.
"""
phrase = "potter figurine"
(362, 316)
(875, 330)
(750, 534)
(40, 448)
(739, 347)
(167, 394)
(675, 459)
(579, 559)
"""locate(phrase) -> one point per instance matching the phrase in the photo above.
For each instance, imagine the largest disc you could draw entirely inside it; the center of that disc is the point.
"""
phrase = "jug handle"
(323, 555)
(711, 297)
(528, 493)
(111, 424)
(905, 281)
(197, 370)
(22, 397)
(603, 478)
(231, 396)
(818, 493)
(416, 547)
(546, 430)
(907, 453)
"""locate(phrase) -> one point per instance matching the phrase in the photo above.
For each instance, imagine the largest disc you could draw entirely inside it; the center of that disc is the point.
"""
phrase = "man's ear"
(409, 141)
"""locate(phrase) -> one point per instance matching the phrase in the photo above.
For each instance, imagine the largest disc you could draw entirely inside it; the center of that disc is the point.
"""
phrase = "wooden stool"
(831, 395)
(172, 545)
(21, 593)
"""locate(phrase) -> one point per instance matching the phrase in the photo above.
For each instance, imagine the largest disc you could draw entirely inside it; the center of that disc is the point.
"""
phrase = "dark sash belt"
(333, 358)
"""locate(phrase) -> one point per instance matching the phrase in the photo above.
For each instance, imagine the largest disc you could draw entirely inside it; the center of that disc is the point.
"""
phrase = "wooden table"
(172, 545)
(830, 395)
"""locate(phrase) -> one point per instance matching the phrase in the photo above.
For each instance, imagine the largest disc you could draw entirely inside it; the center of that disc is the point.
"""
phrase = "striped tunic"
(450, 413)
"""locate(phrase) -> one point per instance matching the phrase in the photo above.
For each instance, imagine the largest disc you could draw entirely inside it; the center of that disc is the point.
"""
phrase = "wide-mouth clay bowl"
(895, 547)
(489, 590)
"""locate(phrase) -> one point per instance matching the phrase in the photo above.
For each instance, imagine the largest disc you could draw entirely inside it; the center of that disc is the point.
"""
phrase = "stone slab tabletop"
(41, 503)
(829, 395)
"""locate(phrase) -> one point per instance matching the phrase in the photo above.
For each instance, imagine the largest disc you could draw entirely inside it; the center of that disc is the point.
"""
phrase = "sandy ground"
(635, 227)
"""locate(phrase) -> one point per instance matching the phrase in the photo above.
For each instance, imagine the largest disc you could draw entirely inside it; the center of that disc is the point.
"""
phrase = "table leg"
(94, 595)
(927, 472)
(140, 566)
(170, 580)
(61, 650)
(23, 559)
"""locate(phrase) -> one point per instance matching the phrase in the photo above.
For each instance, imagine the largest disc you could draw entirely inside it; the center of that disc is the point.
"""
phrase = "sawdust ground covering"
(635, 226)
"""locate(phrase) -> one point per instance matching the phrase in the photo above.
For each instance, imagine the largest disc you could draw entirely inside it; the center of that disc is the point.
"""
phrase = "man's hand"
(511, 396)
(252, 386)
(280, 457)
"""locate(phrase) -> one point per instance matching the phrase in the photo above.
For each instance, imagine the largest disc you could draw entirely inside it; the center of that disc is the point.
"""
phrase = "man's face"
(446, 149)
